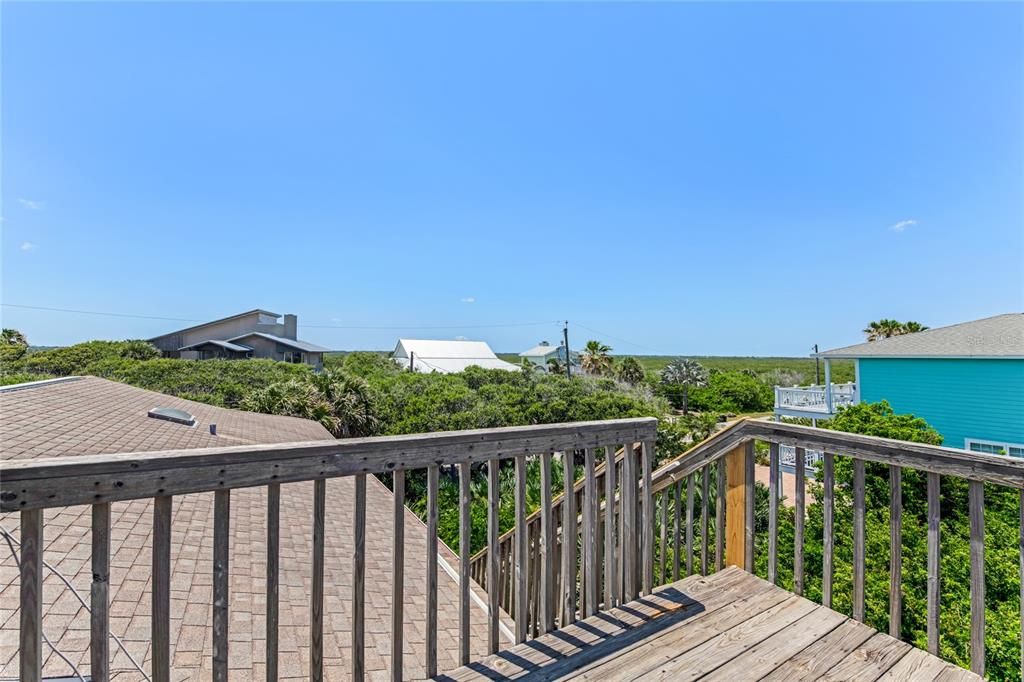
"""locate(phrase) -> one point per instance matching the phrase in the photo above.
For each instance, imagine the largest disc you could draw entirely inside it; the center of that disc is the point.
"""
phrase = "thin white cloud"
(27, 246)
(468, 299)
(31, 204)
(902, 225)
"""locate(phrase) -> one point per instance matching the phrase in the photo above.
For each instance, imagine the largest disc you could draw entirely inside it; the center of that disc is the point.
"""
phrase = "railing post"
(736, 505)
(31, 632)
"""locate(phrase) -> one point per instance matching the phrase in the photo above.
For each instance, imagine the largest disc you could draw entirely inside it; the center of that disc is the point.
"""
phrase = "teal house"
(966, 380)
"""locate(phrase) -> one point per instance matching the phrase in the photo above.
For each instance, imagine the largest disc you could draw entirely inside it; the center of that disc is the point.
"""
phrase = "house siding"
(978, 399)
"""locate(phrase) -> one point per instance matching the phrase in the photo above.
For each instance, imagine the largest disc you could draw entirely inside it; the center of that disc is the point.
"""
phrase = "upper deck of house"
(637, 572)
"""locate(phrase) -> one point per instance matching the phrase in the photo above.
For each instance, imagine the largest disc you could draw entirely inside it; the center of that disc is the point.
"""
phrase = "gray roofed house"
(966, 380)
(1001, 336)
(255, 333)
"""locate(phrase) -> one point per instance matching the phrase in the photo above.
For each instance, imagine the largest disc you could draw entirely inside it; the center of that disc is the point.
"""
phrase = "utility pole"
(568, 354)
(817, 367)
(412, 367)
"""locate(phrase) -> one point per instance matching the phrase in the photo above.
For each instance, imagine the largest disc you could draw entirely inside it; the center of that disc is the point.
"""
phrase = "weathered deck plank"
(726, 626)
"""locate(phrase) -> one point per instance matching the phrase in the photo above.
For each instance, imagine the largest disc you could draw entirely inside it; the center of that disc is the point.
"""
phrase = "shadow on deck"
(728, 626)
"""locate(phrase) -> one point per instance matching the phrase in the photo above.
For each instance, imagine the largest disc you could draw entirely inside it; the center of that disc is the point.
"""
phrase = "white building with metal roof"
(447, 357)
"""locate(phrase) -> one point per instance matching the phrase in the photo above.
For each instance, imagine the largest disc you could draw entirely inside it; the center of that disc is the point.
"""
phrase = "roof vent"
(172, 415)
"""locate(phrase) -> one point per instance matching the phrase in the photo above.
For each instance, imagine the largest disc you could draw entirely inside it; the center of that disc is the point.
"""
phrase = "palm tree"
(596, 359)
(352, 403)
(882, 329)
(556, 366)
(682, 373)
(886, 328)
(631, 371)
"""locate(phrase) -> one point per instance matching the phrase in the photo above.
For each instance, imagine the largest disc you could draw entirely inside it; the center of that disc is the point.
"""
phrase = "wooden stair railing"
(703, 510)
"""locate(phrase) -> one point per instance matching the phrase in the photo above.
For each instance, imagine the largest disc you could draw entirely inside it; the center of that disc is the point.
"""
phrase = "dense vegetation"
(1002, 525)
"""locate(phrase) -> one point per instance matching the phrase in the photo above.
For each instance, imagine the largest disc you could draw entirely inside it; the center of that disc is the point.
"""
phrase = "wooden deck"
(727, 626)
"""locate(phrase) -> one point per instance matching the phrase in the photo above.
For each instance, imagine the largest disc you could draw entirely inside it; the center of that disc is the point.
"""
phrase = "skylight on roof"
(172, 415)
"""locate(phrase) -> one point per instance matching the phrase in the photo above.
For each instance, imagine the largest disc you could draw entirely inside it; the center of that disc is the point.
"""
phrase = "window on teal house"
(995, 448)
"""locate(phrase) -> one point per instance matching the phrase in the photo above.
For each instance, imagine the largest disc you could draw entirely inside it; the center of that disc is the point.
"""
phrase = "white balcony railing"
(815, 398)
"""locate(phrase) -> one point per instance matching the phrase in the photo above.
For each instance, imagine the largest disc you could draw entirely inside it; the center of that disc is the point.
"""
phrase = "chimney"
(291, 324)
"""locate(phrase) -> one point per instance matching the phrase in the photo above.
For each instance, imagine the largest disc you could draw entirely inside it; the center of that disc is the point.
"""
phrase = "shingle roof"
(294, 343)
(80, 416)
(217, 342)
(1001, 336)
(223, 319)
(539, 350)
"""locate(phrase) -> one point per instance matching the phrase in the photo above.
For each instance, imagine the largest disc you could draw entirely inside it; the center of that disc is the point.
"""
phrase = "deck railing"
(30, 487)
(702, 513)
(732, 455)
(815, 398)
(633, 527)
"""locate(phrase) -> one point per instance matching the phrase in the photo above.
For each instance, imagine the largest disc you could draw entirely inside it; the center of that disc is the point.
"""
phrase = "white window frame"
(994, 443)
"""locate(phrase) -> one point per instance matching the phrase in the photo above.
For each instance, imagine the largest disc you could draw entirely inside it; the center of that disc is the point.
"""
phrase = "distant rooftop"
(430, 355)
(1001, 336)
(297, 344)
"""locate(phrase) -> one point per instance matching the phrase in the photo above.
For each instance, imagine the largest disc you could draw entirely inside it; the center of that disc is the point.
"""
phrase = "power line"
(391, 327)
(97, 312)
(442, 326)
(615, 338)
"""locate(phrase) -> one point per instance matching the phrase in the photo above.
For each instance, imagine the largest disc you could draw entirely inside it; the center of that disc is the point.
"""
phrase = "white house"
(447, 357)
(544, 351)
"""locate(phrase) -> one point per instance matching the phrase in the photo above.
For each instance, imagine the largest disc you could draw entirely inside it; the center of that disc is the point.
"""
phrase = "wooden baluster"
(630, 545)
(720, 500)
(976, 502)
(494, 593)
(589, 535)
(799, 520)
(465, 529)
(748, 525)
(161, 610)
(1021, 580)
(359, 579)
(647, 509)
(273, 576)
(569, 535)
(99, 594)
(31, 633)
(547, 543)
(533, 555)
(521, 566)
(611, 577)
(895, 550)
(858, 540)
(221, 577)
(934, 576)
(773, 513)
(621, 550)
(663, 537)
(431, 560)
(316, 621)
(676, 528)
(704, 507)
(689, 525)
(828, 539)
(398, 575)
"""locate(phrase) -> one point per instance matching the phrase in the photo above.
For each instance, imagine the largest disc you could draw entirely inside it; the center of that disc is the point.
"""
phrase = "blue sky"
(682, 178)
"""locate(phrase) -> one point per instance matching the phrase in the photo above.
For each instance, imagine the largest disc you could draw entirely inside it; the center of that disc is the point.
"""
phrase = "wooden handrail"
(29, 487)
(64, 481)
